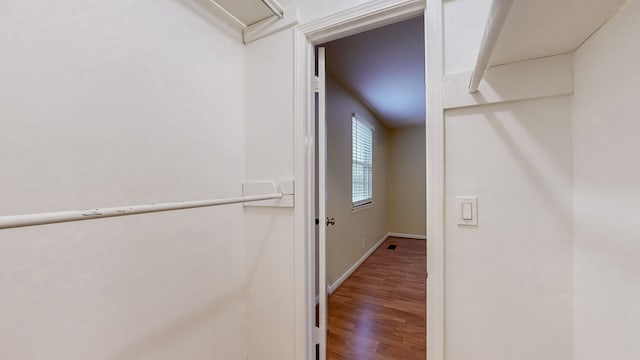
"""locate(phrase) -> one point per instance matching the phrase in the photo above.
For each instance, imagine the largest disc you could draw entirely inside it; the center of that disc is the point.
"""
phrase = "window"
(361, 162)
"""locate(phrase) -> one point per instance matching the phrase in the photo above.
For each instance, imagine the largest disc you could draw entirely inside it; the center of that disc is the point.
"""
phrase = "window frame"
(364, 203)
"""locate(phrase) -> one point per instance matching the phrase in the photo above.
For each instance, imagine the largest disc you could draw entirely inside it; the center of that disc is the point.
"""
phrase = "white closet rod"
(15, 221)
(497, 18)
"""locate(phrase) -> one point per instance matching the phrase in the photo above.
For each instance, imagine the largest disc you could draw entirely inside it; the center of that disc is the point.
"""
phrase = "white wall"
(269, 156)
(273, 252)
(345, 243)
(508, 280)
(406, 180)
(108, 103)
(607, 187)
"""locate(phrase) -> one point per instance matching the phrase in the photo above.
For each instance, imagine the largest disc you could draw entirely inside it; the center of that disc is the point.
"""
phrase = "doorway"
(375, 191)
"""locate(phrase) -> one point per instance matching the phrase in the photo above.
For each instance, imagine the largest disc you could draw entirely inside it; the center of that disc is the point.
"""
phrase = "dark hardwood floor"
(380, 311)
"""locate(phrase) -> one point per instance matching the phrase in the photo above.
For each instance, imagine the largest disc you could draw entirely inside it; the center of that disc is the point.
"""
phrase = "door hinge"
(316, 84)
(319, 335)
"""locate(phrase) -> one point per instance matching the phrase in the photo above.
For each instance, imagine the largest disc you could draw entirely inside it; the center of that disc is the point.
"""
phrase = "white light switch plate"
(462, 203)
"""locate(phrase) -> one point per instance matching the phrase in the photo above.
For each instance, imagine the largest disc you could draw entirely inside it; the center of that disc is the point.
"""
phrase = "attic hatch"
(249, 12)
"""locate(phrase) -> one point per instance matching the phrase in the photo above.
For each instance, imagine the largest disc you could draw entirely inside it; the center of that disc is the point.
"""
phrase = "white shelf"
(541, 28)
(521, 30)
(249, 12)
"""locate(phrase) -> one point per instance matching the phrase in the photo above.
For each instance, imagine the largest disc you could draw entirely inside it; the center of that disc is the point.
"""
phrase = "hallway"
(379, 312)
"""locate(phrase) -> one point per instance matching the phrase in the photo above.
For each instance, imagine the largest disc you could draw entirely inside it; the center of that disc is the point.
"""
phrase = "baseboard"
(408, 236)
(345, 276)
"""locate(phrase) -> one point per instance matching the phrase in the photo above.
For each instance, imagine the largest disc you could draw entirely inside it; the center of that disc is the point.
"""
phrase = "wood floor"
(380, 311)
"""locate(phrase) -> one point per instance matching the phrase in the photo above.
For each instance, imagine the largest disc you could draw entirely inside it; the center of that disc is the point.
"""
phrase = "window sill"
(362, 207)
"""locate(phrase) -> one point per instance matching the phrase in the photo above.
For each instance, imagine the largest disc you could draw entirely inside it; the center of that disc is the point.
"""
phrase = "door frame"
(358, 19)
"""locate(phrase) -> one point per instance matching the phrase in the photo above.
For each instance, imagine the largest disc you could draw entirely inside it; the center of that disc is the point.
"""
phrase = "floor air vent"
(392, 247)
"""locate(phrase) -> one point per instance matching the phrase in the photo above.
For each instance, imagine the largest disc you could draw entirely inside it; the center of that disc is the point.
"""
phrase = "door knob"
(331, 221)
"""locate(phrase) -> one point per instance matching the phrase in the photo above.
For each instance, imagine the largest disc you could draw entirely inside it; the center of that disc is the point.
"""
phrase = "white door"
(322, 197)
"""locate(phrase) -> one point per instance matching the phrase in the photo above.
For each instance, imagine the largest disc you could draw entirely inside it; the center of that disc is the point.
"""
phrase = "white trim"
(336, 284)
(407, 236)
(434, 63)
(322, 206)
(368, 16)
(304, 210)
(361, 18)
(530, 79)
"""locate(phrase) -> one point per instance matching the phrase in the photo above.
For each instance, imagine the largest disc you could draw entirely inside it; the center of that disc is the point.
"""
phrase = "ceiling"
(384, 68)
(541, 28)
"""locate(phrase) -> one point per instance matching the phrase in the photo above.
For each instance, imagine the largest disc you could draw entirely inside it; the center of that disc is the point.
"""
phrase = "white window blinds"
(361, 162)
